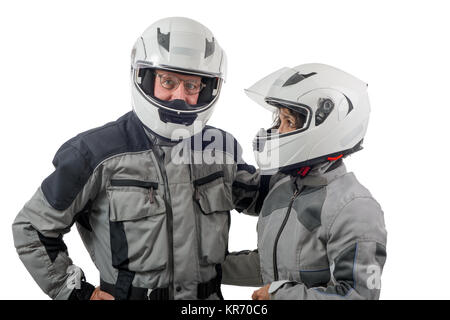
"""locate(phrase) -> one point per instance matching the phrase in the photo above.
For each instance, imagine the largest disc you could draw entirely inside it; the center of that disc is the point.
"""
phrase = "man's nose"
(179, 93)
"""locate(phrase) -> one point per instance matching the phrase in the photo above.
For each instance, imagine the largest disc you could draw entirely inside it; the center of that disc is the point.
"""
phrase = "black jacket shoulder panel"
(211, 137)
(76, 160)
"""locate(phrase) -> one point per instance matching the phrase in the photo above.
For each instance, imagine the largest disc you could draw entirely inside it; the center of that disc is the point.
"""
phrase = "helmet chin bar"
(183, 118)
(292, 168)
(179, 105)
(322, 159)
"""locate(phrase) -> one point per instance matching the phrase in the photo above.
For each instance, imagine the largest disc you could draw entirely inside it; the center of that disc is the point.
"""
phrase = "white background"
(64, 68)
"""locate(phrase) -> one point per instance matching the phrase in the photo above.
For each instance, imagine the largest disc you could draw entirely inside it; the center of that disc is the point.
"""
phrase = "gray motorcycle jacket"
(319, 237)
(155, 227)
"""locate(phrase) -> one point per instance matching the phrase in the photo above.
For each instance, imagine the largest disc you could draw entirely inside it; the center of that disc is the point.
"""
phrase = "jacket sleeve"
(356, 247)
(246, 187)
(247, 195)
(39, 227)
(242, 269)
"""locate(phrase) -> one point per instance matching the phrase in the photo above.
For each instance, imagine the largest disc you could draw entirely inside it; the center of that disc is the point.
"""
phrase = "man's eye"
(191, 85)
(169, 82)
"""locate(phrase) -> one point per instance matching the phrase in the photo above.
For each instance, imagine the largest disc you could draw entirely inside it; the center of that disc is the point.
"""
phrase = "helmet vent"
(350, 104)
(164, 39)
(296, 78)
(209, 47)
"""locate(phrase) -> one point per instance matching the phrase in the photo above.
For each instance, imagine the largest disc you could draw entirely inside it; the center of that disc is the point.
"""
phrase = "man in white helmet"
(321, 234)
(151, 192)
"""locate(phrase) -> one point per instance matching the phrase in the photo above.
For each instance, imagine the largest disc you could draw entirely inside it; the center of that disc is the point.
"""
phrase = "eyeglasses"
(171, 82)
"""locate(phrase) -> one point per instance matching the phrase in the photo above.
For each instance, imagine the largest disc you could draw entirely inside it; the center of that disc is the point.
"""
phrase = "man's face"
(167, 79)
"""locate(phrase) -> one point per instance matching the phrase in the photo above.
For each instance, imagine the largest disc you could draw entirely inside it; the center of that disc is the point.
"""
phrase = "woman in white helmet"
(321, 235)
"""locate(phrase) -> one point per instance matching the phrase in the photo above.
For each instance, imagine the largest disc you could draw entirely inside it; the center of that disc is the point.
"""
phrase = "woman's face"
(287, 121)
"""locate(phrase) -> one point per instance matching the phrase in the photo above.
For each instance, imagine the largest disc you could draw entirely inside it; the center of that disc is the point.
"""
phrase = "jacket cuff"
(84, 293)
(274, 286)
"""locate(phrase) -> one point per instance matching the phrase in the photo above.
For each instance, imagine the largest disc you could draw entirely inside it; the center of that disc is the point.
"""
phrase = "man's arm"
(39, 227)
(246, 189)
(249, 186)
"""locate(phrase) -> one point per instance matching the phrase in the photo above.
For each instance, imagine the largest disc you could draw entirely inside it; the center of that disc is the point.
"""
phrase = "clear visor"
(267, 92)
(260, 90)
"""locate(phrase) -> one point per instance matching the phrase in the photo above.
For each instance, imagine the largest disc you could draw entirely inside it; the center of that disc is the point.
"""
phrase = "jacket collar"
(320, 175)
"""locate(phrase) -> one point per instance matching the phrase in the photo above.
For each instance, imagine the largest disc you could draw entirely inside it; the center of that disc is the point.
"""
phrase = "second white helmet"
(336, 109)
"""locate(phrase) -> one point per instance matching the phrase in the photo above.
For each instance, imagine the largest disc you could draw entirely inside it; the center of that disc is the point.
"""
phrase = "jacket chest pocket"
(213, 198)
(137, 225)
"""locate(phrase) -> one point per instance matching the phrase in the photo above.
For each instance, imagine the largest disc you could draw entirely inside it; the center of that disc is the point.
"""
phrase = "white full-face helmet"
(334, 104)
(177, 45)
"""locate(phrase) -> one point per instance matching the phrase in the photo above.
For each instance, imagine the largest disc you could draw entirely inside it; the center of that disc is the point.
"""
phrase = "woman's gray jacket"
(319, 237)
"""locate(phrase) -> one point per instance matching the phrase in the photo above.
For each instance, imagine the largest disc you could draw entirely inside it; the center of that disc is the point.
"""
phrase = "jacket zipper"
(159, 154)
(286, 217)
